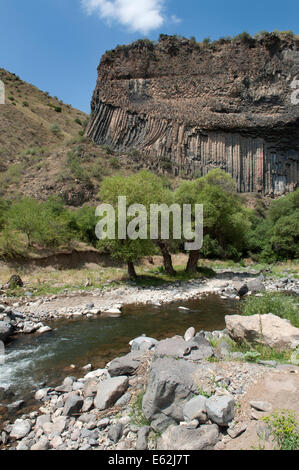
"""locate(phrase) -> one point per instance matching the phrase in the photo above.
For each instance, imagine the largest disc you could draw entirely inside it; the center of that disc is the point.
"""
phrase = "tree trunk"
(131, 271)
(193, 261)
(167, 260)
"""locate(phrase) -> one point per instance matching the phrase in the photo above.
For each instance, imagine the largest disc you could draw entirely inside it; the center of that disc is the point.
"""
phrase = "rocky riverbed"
(181, 393)
(30, 315)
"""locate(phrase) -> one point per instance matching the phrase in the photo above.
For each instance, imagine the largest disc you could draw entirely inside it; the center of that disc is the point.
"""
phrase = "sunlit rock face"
(187, 108)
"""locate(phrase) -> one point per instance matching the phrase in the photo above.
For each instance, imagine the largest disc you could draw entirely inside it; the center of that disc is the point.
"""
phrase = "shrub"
(55, 129)
(77, 121)
(285, 429)
(115, 163)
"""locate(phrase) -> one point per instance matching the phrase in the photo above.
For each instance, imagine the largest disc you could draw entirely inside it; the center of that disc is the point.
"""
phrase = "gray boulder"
(20, 428)
(90, 388)
(115, 432)
(67, 385)
(126, 365)
(143, 343)
(170, 385)
(197, 349)
(73, 405)
(142, 438)
(221, 409)
(6, 330)
(256, 285)
(189, 334)
(184, 438)
(196, 409)
(109, 391)
(42, 444)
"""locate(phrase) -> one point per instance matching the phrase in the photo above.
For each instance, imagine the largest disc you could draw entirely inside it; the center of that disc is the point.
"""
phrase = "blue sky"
(57, 44)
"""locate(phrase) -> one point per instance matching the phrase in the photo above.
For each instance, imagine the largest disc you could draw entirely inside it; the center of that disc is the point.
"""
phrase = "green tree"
(226, 221)
(142, 188)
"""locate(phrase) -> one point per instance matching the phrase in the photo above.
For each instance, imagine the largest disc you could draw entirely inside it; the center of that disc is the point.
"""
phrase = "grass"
(138, 418)
(254, 352)
(258, 352)
(280, 304)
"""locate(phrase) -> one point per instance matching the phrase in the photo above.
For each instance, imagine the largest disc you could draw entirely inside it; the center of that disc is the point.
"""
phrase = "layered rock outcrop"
(189, 108)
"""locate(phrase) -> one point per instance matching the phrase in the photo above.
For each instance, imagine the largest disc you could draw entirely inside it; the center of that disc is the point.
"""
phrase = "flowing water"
(34, 361)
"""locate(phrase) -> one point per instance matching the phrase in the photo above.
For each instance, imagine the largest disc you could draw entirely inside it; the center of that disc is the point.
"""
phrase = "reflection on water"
(33, 361)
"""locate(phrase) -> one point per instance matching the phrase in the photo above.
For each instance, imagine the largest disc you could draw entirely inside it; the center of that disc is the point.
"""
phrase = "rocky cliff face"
(190, 108)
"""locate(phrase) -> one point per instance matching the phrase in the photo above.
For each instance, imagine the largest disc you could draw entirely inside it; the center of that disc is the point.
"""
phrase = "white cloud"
(136, 15)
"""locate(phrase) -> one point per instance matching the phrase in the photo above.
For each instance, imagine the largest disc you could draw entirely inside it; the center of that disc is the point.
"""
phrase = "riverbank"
(177, 393)
(30, 314)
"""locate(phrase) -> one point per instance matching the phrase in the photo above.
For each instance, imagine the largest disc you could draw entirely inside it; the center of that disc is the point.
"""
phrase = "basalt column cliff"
(190, 108)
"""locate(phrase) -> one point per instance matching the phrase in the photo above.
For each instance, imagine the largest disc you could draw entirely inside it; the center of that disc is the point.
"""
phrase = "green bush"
(284, 428)
(55, 129)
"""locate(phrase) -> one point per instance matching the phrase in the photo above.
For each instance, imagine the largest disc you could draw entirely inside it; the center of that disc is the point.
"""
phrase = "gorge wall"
(188, 108)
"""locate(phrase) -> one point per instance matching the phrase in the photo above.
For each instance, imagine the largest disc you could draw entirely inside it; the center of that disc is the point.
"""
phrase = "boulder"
(41, 394)
(190, 333)
(42, 444)
(142, 438)
(90, 388)
(221, 409)
(256, 285)
(109, 391)
(73, 405)
(30, 327)
(126, 365)
(6, 330)
(197, 349)
(261, 406)
(67, 385)
(20, 428)
(184, 438)
(196, 409)
(143, 343)
(241, 288)
(170, 385)
(44, 329)
(115, 432)
(56, 427)
(268, 330)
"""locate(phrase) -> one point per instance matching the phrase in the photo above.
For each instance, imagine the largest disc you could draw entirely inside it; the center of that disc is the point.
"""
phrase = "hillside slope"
(43, 151)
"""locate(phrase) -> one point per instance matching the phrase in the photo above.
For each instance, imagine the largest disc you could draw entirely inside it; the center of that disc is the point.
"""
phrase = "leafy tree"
(142, 188)
(45, 224)
(226, 221)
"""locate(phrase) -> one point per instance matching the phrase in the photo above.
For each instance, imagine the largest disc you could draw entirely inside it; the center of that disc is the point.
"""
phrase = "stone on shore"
(170, 385)
(126, 365)
(143, 343)
(21, 428)
(6, 330)
(42, 444)
(221, 409)
(197, 349)
(256, 285)
(261, 405)
(183, 438)
(73, 405)
(196, 409)
(142, 438)
(190, 333)
(109, 391)
(269, 330)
